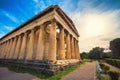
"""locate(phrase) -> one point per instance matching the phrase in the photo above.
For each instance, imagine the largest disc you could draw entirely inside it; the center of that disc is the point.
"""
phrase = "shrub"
(102, 65)
(106, 68)
(114, 75)
(114, 62)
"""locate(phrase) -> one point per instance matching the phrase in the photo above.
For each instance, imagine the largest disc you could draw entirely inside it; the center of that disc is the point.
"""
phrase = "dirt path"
(113, 68)
(5, 74)
(85, 72)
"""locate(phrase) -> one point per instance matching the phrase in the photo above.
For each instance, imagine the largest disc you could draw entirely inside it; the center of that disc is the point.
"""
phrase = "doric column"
(10, 45)
(40, 45)
(4, 52)
(78, 52)
(68, 50)
(17, 48)
(76, 55)
(13, 47)
(7, 44)
(36, 36)
(52, 41)
(62, 44)
(72, 49)
(30, 46)
(0, 49)
(23, 47)
(10, 56)
(7, 49)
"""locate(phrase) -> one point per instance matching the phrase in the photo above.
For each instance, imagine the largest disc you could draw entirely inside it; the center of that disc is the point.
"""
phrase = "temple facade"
(50, 35)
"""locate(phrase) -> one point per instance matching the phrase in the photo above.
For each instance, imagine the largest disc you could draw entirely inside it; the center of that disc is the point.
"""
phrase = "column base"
(46, 67)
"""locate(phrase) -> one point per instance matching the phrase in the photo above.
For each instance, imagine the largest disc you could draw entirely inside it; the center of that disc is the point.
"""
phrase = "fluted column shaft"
(23, 47)
(10, 45)
(7, 49)
(13, 48)
(0, 50)
(30, 46)
(62, 45)
(13, 41)
(52, 42)
(78, 52)
(72, 49)
(2, 56)
(17, 48)
(40, 46)
(10, 54)
(68, 50)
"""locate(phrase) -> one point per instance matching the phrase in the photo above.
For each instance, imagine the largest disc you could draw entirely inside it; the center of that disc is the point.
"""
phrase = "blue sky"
(98, 21)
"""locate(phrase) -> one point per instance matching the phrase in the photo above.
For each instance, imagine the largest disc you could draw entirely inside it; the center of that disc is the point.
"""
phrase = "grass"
(42, 76)
(106, 79)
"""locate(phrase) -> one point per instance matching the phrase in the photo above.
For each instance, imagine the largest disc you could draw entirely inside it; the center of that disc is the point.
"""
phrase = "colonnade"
(43, 42)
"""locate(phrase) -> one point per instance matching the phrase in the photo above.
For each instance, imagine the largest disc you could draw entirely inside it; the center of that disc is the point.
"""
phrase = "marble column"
(0, 49)
(40, 45)
(10, 54)
(78, 52)
(12, 48)
(23, 47)
(7, 49)
(10, 45)
(72, 49)
(52, 42)
(68, 50)
(4, 52)
(30, 46)
(76, 55)
(36, 36)
(62, 45)
(17, 48)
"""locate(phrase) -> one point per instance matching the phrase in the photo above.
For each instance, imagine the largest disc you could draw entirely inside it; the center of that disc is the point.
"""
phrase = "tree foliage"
(84, 55)
(115, 47)
(96, 53)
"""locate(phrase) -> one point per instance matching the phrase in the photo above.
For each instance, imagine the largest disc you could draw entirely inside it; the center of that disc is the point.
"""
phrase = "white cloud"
(39, 5)
(95, 25)
(14, 19)
(9, 28)
(96, 29)
(35, 1)
(10, 16)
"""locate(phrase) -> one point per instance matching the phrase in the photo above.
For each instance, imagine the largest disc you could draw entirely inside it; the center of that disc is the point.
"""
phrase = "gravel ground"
(85, 72)
(5, 74)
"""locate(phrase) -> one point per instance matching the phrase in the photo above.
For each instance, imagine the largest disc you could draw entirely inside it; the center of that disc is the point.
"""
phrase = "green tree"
(115, 47)
(96, 53)
(84, 55)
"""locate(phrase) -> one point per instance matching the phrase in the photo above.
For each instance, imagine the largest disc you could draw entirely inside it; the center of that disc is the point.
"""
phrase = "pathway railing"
(98, 70)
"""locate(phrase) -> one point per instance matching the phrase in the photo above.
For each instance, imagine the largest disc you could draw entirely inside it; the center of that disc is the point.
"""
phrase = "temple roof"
(44, 12)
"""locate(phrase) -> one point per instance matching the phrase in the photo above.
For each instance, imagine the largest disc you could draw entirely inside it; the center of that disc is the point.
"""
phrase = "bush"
(106, 68)
(102, 65)
(114, 62)
(114, 75)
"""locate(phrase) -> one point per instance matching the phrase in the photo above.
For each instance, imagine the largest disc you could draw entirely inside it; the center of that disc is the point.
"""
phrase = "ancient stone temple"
(47, 40)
